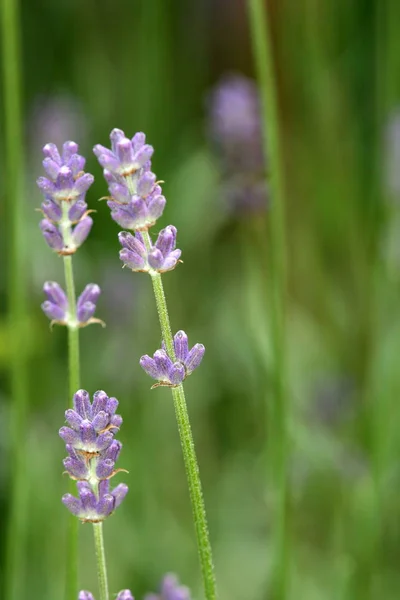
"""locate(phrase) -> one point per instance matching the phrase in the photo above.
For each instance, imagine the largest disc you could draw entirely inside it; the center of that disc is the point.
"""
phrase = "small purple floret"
(56, 307)
(162, 256)
(167, 372)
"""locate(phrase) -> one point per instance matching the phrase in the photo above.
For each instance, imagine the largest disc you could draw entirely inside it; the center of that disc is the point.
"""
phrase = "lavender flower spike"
(123, 595)
(171, 373)
(170, 590)
(136, 199)
(66, 223)
(162, 256)
(93, 452)
(56, 307)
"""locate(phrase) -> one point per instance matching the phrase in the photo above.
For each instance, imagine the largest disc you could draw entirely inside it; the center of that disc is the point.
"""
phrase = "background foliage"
(149, 65)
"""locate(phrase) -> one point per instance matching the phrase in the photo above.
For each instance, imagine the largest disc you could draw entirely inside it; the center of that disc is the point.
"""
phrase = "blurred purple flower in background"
(170, 590)
(57, 118)
(234, 126)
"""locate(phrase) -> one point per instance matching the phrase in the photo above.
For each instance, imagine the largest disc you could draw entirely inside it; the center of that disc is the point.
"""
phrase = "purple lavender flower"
(169, 372)
(56, 307)
(170, 590)
(66, 223)
(160, 258)
(92, 454)
(92, 507)
(235, 128)
(123, 595)
(136, 198)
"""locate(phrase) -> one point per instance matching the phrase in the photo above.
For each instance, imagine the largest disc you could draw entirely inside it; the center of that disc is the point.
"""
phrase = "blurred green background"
(149, 65)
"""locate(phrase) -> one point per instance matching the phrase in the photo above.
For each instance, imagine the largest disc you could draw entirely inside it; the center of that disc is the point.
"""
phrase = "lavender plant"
(136, 202)
(65, 226)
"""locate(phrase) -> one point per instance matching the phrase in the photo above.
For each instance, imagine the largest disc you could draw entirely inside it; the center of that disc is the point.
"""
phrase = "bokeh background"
(155, 66)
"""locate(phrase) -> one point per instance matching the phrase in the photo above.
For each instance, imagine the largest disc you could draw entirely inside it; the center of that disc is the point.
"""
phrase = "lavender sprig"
(56, 307)
(136, 203)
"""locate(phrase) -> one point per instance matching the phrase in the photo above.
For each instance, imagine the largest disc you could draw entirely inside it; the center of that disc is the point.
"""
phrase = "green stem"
(14, 161)
(74, 385)
(100, 560)
(188, 449)
(73, 331)
(279, 408)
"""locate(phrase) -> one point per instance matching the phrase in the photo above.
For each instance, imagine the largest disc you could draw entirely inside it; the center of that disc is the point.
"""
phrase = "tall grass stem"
(278, 409)
(17, 308)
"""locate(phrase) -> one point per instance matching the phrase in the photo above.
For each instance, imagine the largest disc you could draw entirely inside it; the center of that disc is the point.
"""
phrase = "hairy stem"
(187, 444)
(278, 409)
(74, 385)
(16, 530)
(100, 560)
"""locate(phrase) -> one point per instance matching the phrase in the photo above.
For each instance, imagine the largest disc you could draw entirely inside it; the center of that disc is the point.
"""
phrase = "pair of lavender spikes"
(92, 454)
(136, 203)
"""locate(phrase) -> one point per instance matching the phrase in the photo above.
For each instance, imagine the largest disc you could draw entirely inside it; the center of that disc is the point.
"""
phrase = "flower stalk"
(100, 560)
(136, 202)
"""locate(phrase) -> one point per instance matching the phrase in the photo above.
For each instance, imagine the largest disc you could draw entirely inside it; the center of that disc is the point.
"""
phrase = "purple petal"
(156, 206)
(90, 294)
(163, 362)
(53, 311)
(69, 149)
(51, 167)
(119, 493)
(132, 260)
(73, 419)
(87, 434)
(83, 183)
(77, 210)
(145, 184)
(82, 230)
(73, 504)
(52, 235)
(194, 357)
(106, 504)
(76, 163)
(138, 140)
(84, 595)
(51, 151)
(149, 365)
(100, 399)
(88, 499)
(82, 404)
(166, 240)
(76, 468)
(69, 436)
(104, 468)
(177, 373)
(125, 595)
(181, 345)
(155, 258)
(104, 440)
(51, 210)
(171, 260)
(113, 451)
(132, 242)
(120, 192)
(100, 421)
(85, 311)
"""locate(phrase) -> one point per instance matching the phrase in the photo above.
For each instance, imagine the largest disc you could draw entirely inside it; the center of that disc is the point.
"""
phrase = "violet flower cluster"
(92, 454)
(172, 373)
(57, 309)
(235, 128)
(170, 589)
(66, 223)
(136, 203)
